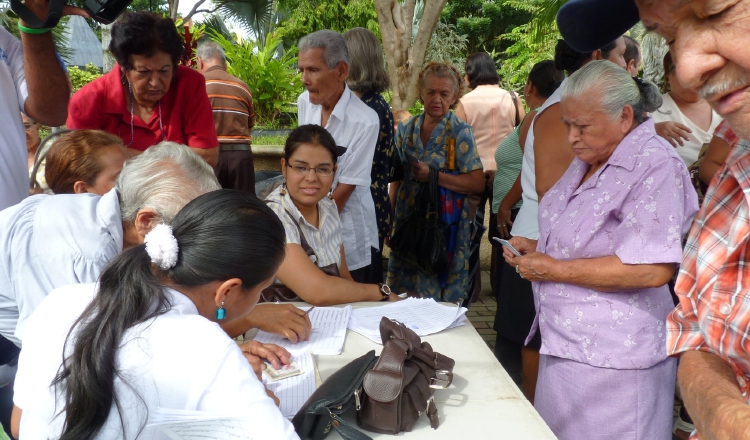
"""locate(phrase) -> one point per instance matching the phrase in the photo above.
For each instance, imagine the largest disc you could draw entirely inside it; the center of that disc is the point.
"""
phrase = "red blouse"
(186, 114)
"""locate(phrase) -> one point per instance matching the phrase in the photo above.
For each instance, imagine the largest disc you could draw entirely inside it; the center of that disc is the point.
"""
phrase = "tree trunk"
(108, 61)
(406, 57)
(173, 6)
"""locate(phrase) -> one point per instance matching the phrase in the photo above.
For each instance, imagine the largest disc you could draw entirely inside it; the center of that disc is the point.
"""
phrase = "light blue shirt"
(50, 241)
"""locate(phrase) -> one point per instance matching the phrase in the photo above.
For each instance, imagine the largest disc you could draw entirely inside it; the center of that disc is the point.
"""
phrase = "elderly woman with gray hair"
(610, 239)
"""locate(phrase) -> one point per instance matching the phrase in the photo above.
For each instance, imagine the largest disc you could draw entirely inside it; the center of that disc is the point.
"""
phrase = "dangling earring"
(283, 188)
(330, 194)
(221, 313)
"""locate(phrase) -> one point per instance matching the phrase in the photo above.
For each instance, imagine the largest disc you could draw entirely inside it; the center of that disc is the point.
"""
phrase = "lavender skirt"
(579, 401)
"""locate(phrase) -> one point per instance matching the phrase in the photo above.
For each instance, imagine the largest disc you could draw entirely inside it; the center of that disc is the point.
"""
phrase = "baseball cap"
(587, 25)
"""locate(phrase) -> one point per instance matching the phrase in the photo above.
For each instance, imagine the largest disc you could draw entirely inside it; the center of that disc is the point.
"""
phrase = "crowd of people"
(623, 207)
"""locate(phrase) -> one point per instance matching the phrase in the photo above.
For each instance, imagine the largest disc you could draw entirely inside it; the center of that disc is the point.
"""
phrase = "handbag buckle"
(442, 380)
(357, 401)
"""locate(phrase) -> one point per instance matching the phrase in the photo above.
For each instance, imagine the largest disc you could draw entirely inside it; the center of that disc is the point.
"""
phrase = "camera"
(103, 11)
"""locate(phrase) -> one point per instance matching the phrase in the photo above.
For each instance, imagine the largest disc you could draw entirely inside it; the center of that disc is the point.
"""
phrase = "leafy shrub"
(271, 76)
(80, 78)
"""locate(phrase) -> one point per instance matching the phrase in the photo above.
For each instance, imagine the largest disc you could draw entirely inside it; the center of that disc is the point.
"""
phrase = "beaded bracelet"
(34, 31)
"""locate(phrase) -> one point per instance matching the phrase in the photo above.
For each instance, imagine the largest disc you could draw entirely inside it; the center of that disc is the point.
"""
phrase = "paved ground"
(482, 312)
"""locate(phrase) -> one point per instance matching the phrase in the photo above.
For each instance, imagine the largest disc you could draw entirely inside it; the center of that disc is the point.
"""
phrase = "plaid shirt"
(724, 132)
(714, 310)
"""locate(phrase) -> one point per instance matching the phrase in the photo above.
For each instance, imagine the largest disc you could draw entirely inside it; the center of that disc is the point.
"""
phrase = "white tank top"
(527, 221)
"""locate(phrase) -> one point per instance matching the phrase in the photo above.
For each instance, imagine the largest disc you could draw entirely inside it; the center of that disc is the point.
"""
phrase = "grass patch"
(269, 140)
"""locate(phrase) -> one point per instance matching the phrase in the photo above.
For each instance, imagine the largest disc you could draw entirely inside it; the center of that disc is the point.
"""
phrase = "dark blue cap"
(587, 25)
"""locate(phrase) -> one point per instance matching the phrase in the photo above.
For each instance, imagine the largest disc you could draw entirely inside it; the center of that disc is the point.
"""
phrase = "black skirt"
(515, 306)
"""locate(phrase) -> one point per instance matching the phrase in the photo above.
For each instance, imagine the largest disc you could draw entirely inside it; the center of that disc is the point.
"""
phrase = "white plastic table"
(482, 403)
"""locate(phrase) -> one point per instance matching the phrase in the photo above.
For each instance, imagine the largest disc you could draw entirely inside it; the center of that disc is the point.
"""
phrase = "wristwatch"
(385, 291)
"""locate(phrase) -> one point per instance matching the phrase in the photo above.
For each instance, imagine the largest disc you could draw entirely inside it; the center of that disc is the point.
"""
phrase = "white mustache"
(710, 90)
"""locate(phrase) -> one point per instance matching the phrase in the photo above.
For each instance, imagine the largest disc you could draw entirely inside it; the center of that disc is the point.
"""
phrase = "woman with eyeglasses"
(314, 269)
(147, 97)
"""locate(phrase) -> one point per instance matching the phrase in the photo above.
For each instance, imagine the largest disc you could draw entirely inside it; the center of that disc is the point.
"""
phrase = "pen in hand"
(309, 310)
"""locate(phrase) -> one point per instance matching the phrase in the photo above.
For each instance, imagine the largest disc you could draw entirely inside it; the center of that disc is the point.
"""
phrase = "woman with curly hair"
(147, 98)
(422, 142)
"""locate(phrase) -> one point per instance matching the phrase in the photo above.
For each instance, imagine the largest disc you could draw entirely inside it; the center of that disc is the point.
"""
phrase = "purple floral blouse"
(638, 206)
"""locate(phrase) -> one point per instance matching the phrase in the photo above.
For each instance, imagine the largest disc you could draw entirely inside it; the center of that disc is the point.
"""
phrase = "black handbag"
(421, 239)
(322, 411)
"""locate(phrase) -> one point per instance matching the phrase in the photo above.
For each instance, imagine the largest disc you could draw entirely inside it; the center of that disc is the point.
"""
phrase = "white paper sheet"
(328, 332)
(294, 391)
(424, 316)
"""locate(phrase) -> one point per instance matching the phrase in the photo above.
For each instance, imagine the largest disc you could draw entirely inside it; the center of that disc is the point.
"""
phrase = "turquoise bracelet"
(34, 31)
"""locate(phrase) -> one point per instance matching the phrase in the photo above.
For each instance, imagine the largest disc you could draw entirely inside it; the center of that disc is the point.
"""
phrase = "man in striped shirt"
(234, 116)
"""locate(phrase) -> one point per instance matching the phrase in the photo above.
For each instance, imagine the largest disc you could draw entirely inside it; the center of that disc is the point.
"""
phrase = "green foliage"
(447, 45)
(483, 21)
(307, 16)
(80, 78)
(273, 80)
(529, 43)
(269, 140)
(9, 20)
(158, 6)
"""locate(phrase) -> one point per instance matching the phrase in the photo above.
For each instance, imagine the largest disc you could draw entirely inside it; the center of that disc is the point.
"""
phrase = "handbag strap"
(345, 431)
(515, 105)
(302, 240)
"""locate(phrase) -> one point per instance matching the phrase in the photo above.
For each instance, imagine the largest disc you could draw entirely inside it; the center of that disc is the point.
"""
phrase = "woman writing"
(147, 98)
(85, 161)
(146, 336)
(314, 268)
(610, 239)
(421, 144)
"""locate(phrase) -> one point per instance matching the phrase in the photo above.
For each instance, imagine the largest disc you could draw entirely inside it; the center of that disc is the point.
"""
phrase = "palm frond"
(252, 15)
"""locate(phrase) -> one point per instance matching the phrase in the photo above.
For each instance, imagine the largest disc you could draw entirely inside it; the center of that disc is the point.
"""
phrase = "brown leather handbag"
(400, 387)
(278, 291)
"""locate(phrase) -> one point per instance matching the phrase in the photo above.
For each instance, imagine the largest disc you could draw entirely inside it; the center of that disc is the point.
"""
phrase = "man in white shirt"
(34, 84)
(328, 102)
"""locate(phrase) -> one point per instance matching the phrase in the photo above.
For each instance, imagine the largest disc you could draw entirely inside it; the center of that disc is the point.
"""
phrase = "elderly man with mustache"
(709, 328)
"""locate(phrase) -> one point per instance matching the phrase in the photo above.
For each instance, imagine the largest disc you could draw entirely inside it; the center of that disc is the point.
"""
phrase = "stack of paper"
(198, 425)
(294, 391)
(424, 316)
(328, 332)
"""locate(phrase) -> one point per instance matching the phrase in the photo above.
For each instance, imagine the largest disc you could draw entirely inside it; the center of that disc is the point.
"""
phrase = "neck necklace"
(132, 115)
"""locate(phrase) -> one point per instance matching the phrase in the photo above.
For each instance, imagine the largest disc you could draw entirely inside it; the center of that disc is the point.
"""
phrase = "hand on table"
(256, 353)
(674, 132)
(282, 319)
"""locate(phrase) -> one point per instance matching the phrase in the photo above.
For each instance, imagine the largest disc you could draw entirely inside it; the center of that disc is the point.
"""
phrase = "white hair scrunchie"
(162, 246)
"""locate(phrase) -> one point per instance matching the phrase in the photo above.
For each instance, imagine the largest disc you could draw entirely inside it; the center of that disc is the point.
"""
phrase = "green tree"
(80, 78)
(307, 16)
(483, 21)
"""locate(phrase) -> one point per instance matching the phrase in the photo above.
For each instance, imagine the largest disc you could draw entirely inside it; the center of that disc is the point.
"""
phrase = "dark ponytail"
(221, 235)
(569, 59)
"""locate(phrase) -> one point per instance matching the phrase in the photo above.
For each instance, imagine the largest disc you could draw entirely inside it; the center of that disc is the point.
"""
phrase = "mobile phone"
(506, 244)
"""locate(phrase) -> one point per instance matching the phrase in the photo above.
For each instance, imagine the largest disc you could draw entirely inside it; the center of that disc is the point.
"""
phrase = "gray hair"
(332, 43)
(614, 88)
(209, 50)
(164, 178)
(366, 70)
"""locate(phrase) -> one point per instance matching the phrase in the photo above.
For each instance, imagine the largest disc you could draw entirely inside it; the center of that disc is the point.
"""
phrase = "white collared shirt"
(354, 126)
(14, 176)
(51, 241)
(178, 360)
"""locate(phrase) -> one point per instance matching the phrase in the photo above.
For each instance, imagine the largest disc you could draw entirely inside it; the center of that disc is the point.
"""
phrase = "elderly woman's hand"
(421, 171)
(535, 266)
(521, 244)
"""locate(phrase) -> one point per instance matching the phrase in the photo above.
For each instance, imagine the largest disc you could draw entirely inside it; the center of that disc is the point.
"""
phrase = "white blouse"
(178, 360)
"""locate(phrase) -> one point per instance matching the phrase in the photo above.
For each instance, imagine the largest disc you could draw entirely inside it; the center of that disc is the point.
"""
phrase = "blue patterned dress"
(408, 143)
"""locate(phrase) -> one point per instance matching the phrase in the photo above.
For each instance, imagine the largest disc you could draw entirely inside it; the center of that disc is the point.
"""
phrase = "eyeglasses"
(320, 171)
